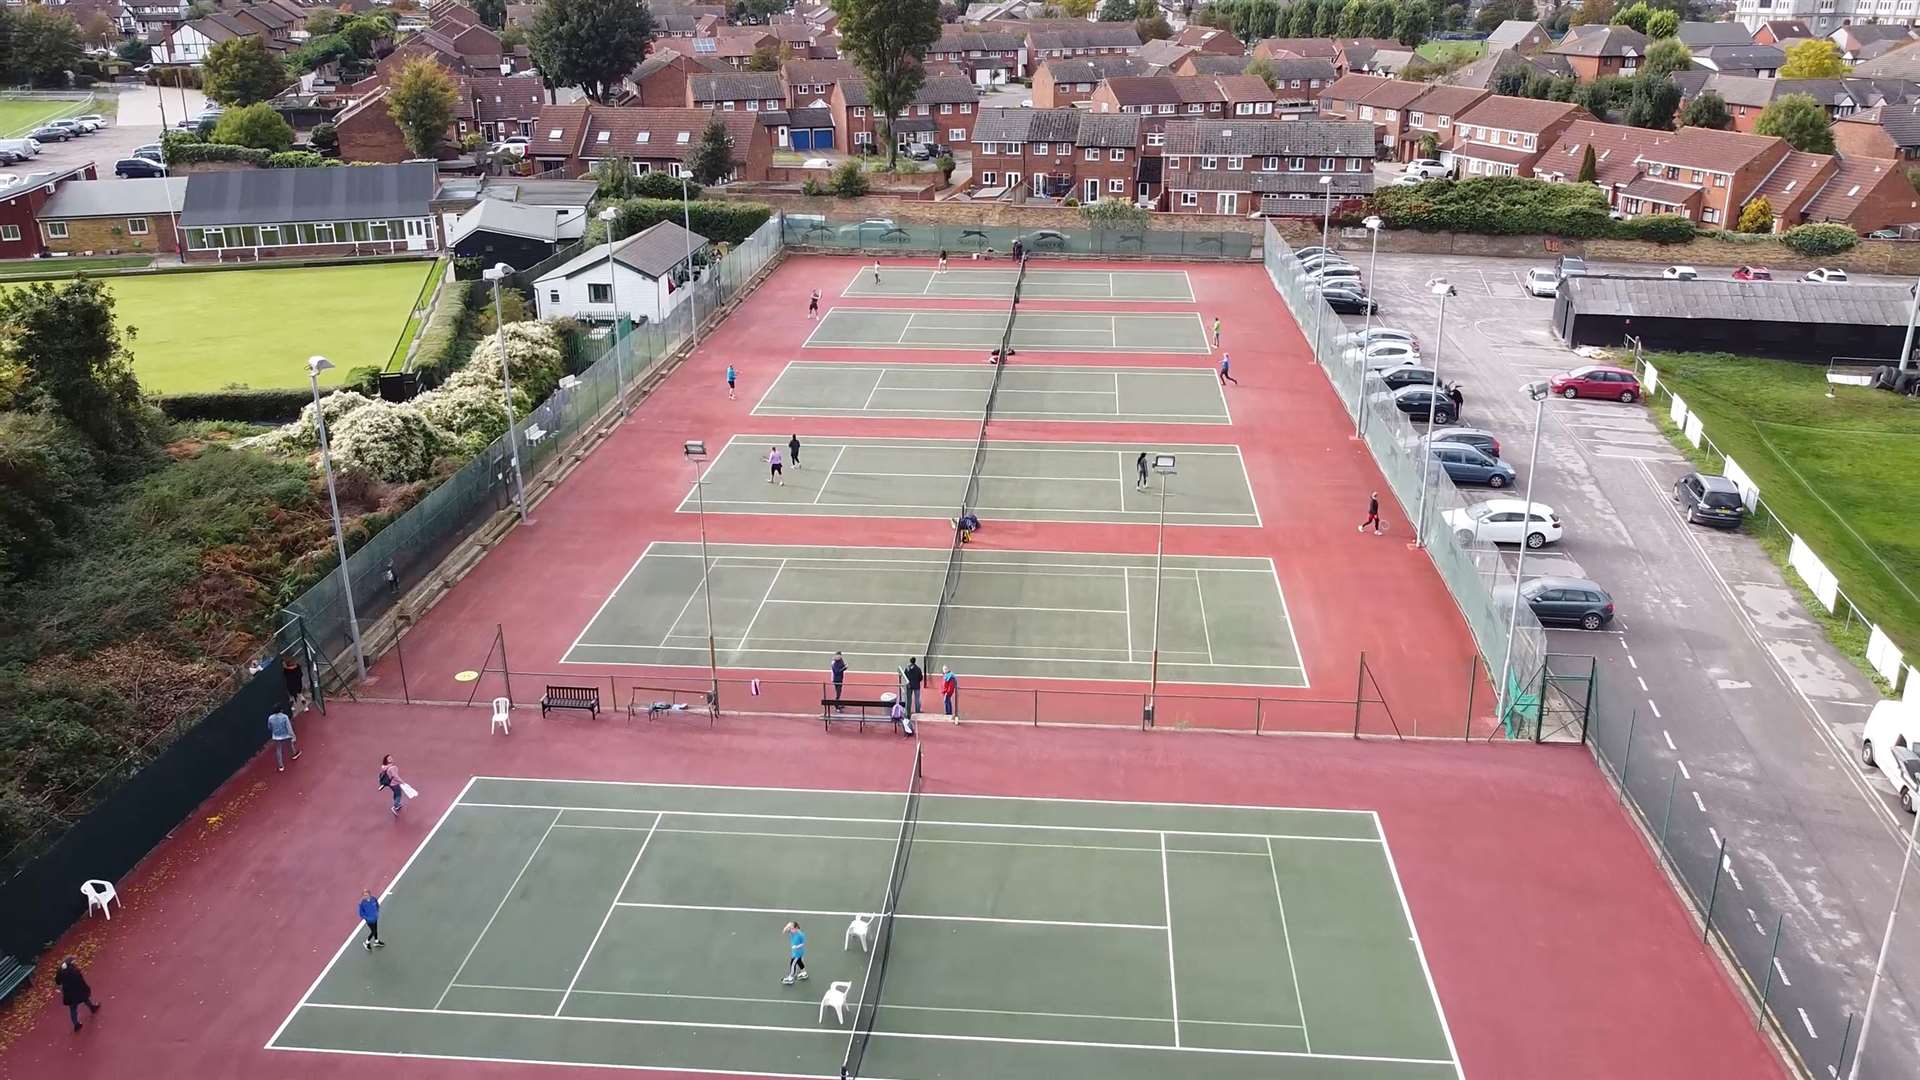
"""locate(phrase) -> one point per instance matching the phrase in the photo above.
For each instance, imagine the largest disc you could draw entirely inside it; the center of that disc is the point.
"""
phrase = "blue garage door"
(802, 139)
(823, 138)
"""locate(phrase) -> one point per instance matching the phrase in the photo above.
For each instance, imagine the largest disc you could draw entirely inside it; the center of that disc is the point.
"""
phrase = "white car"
(1680, 273)
(1542, 281)
(1826, 276)
(1361, 338)
(1500, 521)
(1389, 354)
(1334, 270)
(1427, 169)
(1323, 258)
(1408, 180)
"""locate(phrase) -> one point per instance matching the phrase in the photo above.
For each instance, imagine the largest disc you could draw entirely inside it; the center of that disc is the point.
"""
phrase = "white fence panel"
(1884, 655)
(1912, 695)
(1695, 429)
(1749, 491)
(1677, 412)
(1651, 381)
(1814, 572)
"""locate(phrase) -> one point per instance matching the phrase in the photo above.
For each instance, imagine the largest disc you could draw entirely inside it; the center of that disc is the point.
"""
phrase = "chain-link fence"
(960, 241)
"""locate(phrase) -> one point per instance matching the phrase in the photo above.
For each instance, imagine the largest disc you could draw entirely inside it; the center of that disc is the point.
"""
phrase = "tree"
(1411, 24)
(492, 12)
(1815, 58)
(1153, 27)
(1301, 18)
(1594, 13)
(240, 71)
(1114, 214)
(1380, 19)
(1653, 102)
(1798, 119)
(1589, 167)
(99, 31)
(1119, 11)
(258, 125)
(888, 42)
(1326, 21)
(324, 137)
(764, 58)
(77, 361)
(1262, 67)
(421, 100)
(44, 47)
(1430, 145)
(1667, 56)
(1634, 17)
(1495, 12)
(1353, 18)
(848, 181)
(591, 44)
(1709, 110)
(134, 51)
(1662, 24)
(712, 160)
(1757, 217)
(1074, 9)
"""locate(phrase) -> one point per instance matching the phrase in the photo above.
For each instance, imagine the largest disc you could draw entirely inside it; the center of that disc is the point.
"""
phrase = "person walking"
(839, 671)
(950, 693)
(390, 778)
(74, 991)
(913, 676)
(773, 467)
(943, 261)
(796, 953)
(876, 271)
(1216, 331)
(1140, 472)
(731, 376)
(1373, 514)
(295, 679)
(793, 450)
(1226, 373)
(813, 305)
(280, 727)
(370, 914)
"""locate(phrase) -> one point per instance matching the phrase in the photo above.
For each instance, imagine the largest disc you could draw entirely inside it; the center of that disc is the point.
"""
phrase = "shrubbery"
(243, 403)
(1496, 206)
(48, 476)
(1658, 228)
(386, 441)
(471, 415)
(1825, 238)
(438, 350)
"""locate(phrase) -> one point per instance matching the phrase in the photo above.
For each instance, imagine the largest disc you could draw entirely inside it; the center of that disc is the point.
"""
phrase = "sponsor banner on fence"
(1814, 572)
(1913, 686)
(1749, 491)
(1677, 412)
(1651, 381)
(1695, 429)
(1884, 655)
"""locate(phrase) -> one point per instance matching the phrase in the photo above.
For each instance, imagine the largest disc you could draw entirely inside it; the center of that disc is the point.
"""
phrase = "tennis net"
(868, 1008)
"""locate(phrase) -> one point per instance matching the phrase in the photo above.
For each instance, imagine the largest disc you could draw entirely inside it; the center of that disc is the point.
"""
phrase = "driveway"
(1744, 718)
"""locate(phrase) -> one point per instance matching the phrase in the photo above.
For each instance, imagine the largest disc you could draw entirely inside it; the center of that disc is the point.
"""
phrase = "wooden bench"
(14, 974)
(571, 697)
(832, 709)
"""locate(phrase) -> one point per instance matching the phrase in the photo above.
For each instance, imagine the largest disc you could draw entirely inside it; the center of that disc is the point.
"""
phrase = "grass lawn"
(204, 331)
(27, 269)
(1844, 474)
(1442, 52)
(21, 115)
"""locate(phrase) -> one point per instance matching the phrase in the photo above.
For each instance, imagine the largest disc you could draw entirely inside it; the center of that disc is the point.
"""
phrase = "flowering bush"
(535, 356)
(387, 441)
(301, 437)
(471, 414)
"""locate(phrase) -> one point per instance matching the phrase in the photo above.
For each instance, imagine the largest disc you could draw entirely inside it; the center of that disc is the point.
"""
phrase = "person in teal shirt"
(796, 953)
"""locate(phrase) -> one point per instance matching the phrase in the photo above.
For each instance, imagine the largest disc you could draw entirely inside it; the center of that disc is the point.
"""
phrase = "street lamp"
(1326, 220)
(1374, 225)
(1879, 965)
(499, 273)
(696, 452)
(1440, 288)
(1164, 465)
(1906, 346)
(1539, 392)
(610, 215)
(693, 280)
(316, 365)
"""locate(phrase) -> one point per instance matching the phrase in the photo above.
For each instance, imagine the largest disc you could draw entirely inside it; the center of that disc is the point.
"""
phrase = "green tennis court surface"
(1034, 331)
(1128, 395)
(963, 283)
(1223, 619)
(638, 926)
(1027, 481)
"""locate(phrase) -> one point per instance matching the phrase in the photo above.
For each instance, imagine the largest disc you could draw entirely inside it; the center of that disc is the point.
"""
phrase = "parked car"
(1826, 276)
(138, 168)
(1324, 259)
(72, 127)
(1565, 601)
(1710, 500)
(1543, 282)
(917, 151)
(1597, 381)
(1408, 180)
(1385, 354)
(10, 156)
(23, 147)
(1484, 441)
(1887, 744)
(1752, 273)
(1680, 273)
(1409, 375)
(1427, 169)
(1570, 266)
(96, 119)
(1350, 302)
(1305, 253)
(152, 152)
(1464, 464)
(1505, 521)
(1362, 338)
(1415, 401)
(1335, 273)
(49, 133)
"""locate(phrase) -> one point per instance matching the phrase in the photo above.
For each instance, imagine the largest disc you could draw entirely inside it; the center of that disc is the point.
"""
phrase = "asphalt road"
(1742, 715)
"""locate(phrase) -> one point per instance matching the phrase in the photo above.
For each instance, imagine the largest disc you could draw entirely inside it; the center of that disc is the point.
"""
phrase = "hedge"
(1496, 206)
(436, 354)
(254, 406)
(1658, 228)
(720, 222)
(195, 153)
(1825, 238)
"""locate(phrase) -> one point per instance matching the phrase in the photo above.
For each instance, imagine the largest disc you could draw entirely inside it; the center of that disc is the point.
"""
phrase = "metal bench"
(832, 709)
(571, 697)
(14, 974)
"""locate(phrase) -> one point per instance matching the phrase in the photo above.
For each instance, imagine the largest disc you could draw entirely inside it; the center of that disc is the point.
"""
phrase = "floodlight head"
(1440, 287)
(1374, 222)
(493, 274)
(1326, 181)
(694, 448)
(1538, 391)
(609, 214)
(1163, 463)
(318, 364)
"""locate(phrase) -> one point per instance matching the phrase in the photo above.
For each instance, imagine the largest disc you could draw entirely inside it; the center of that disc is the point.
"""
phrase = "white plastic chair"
(500, 707)
(859, 928)
(835, 998)
(99, 894)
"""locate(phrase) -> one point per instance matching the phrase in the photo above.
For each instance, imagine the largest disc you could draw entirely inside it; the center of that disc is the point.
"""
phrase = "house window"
(1527, 141)
(725, 106)
(859, 110)
(1328, 165)
(56, 230)
(926, 110)
(1173, 163)
(988, 179)
(137, 226)
(1166, 109)
(1116, 155)
(1366, 112)
(1093, 153)
(1189, 198)
(956, 134)
(1710, 215)
(1353, 164)
(377, 230)
(1719, 179)
(1446, 122)
(1699, 177)
(1117, 187)
(1418, 119)
(863, 138)
(752, 106)
(598, 293)
(946, 110)
(1156, 138)
(553, 296)
(965, 108)
(987, 149)
(1209, 162)
(1271, 164)
(269, 235)
(643, 137)
(1298, 164)
(1236, 163)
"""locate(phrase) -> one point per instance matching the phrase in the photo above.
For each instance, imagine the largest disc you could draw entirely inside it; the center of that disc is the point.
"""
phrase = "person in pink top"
(390, 778)
(773, 467)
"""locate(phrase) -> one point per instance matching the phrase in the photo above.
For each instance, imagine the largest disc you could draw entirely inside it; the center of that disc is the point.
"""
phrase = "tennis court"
(1034, 614)
(639, 926)
(1033, 331)
(1125, 395)
(962, 283)
(1026, 481)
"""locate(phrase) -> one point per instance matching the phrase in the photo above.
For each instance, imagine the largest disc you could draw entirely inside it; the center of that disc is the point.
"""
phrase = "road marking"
(1668, 735)
(1807, 1022)
(1684, 774)
(1643, 683)
(1701, 803)
(1781, 971)
(1656, 710)
(1714, 834)
(1631, 662)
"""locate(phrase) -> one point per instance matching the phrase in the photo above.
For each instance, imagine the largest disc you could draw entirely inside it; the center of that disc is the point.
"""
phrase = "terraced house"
(987, 57)
(1061, 83)
(1056, 154)
(1235, 167)
(1373, 100)
(573, 138)
(1504, 136)
(942, 112)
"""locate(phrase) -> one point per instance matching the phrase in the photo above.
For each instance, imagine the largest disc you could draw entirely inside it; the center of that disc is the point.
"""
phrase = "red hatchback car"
(1595, 381)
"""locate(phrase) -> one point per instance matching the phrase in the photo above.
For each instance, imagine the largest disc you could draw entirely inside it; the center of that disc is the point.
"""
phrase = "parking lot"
(134, 121)
(1735, 691)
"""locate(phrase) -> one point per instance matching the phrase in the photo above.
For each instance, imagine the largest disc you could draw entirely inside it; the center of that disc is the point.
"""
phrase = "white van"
(23, 147)
(1888, 744)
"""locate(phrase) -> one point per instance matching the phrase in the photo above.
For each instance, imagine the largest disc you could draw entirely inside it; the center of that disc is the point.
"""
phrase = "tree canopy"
(258, 125)
(1815, 58)
(421, 100)
(241, 71)
(76, 363)
(591, 44)
(712, 159)
(1709, 110)
(888, 41)
(1800, 120)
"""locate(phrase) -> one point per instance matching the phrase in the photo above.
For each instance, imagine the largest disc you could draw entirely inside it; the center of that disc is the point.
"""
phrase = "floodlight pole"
(1906, 346)
(1374, 224)
(609, 215)
(1539, 391)
(1440, 288)
(693, 280)
(1326, 220)
(1164, 465)
(316, 365)
(497, 275)
(1886, 939)
(696, 451)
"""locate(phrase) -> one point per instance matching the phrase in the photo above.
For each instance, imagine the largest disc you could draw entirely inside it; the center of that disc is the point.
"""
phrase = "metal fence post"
(1473, 676)
(1773, 954)
(1626, 752)
(1359, 691)
(1719, 866)
(1846, 1035)
(506, 669)
(1672, 785)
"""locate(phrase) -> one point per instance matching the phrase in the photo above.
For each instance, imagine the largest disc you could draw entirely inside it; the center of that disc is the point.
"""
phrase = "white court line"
(840, 1034)
(1433, 992)
(747, 634)
(604, 919)
(672, 626)
(938, 558)
(895, 839)
(497, 908)
(1156, 928)
(1231, 450)
(1173, 979)
(1200, 591)
(829, 477)
(1126, 588)
(1287, 934)
(812, 644)
(878, 379)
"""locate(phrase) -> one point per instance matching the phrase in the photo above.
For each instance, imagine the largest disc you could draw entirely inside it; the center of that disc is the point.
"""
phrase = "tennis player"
(796, 953)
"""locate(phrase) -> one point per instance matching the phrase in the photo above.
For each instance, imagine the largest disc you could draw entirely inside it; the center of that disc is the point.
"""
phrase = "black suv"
(1710, 500)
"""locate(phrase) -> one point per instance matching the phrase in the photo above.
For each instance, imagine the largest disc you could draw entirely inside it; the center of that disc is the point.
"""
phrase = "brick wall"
(371, 135)
(96, 235)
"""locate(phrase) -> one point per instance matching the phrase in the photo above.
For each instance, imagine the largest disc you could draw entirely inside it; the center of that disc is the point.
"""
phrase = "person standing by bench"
(913, 677)
(839, 671)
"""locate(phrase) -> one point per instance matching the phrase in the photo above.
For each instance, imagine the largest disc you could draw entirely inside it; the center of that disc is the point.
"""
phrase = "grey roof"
(1108, 129)
(1748, 57)
(1698, 35)
(1602, 41)
(652, 251)
(1901, 63)
(1289, 68)
(936, 90)
(1482, 72)
(540, 192)
(1900, 122)
(1028, 125)
(1510, 33)
(510, 219)
(1794, 302)
(743, 86)
(1094, 68)
(342, 193)
(810, 118)
(956, 40)
(1217, 64)
(116, 198)
(1086, 36)
(1249, 138)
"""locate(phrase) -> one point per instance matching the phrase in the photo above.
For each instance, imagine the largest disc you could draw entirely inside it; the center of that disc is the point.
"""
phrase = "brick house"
(1597, 51)
(810, 82)
(748, 91)
(1504, 136)
(1081, 39)
(660, 81)
(1520, 35)
(1885, 132)
(1708, 176)
(1282, 48)
(1162, 99)
(1061, 83)
(1057, 153)
(1854, 39)
(1234, 167)
(1209, 40)
(1109, 159)
(1781, 32)
(1297, 84)
(986, 58)
(1748, 96)
(733, 46)
(1373, 100)
(504, 105)
(1432, 114)
(112, 217)
(495, 106)
(1866, 194)
(942, 112)
(573, 138)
